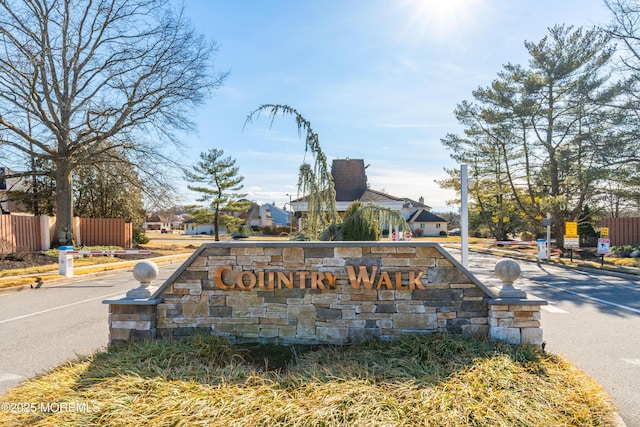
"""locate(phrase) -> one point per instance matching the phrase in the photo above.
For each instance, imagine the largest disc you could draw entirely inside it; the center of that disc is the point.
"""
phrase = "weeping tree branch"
(315, 182)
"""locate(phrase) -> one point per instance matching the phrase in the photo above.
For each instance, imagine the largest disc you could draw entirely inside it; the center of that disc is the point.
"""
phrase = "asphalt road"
(593, 320)
(42, 328)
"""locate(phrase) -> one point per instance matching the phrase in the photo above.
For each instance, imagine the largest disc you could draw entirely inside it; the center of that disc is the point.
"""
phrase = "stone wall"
(320, 292)
(516, 321)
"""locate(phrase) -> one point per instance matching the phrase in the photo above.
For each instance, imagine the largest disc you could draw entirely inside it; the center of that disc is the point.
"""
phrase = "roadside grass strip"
(45, 275)
(425, 380)
(82, 266)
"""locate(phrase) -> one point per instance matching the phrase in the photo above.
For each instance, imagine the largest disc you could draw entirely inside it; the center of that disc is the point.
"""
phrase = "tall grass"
(433, 380)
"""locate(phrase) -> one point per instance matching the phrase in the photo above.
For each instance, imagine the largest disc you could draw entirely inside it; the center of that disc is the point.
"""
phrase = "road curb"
(162, 260)
(586, 269)
(515, 255)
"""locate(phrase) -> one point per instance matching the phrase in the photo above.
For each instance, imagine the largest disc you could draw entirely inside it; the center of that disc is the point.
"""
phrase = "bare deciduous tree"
(76, 73)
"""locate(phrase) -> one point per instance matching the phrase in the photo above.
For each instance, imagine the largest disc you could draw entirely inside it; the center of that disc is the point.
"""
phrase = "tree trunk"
(64, 205)
(216, 216)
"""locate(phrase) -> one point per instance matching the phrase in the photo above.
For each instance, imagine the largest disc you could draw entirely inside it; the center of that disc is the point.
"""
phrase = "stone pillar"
(134, 317)
(513, 317)
(516, 320)
(130, 319)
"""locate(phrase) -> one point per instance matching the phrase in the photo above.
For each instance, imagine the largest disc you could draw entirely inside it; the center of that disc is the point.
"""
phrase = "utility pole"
(464, 214)
(290, 215)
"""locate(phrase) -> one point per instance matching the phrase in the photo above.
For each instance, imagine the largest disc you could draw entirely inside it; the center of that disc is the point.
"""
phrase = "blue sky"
(377, 79)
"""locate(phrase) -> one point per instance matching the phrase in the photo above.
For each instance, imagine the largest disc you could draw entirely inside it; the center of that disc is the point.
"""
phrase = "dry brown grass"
(90, 264)
(435, 380)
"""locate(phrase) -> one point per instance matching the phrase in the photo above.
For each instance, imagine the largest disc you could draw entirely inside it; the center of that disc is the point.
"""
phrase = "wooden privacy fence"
(105, 232)
(623, 231)
(34, 233)
(19, 233)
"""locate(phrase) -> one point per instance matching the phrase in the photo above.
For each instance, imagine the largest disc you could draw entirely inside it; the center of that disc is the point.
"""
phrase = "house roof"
(416, 204)
(155, 218)
(253, 212)
(372, 196)
(350, 183)
(422, 215)
(162, 217)
(273, 208)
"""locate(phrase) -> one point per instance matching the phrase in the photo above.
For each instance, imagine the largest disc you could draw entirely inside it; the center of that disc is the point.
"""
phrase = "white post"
(65, 261)
(548, 237)
(77, 238)
(290, 215)
(45, 233)
(464, 214)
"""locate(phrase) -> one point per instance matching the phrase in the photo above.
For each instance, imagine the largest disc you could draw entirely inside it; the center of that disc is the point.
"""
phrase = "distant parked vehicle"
(166, 230)
(454, 232)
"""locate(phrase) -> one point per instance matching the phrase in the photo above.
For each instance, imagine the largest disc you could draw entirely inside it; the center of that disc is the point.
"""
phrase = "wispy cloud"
(413, 184)
(414, 125)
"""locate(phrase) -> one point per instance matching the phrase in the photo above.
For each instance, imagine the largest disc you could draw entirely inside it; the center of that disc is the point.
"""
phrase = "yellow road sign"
(604, 232)
(571, 228)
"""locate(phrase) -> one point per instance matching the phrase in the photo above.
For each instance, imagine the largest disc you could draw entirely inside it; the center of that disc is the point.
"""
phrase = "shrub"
(443, 233)
(357, 225)
(624, 251)
(139, 237)
(333, 232)
(272, 230)
(527, 236)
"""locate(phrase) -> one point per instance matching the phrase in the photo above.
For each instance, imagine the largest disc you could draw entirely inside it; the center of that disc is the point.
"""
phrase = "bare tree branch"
(75, 74)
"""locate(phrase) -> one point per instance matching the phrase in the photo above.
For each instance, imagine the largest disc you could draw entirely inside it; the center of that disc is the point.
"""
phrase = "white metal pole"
(549, 237)
(290, 215)
(464, 214)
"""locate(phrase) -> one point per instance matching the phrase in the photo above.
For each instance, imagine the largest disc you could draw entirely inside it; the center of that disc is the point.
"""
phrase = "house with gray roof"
(267, 214)
(350, 182)
(424, 223)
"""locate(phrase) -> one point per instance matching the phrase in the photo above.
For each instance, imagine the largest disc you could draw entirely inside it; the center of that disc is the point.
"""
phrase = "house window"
(421, 225)
(438, 225)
